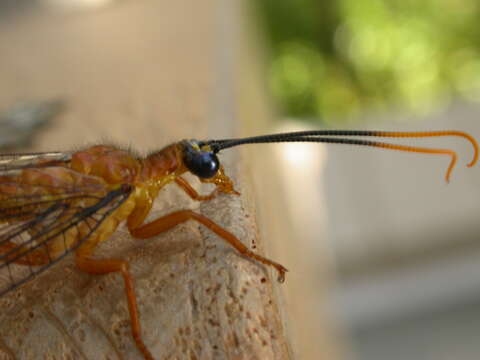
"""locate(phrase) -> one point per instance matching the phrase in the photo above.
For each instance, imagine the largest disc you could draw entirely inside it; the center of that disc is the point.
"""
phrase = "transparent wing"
(27, 241)
(18, 161)
(36, 217)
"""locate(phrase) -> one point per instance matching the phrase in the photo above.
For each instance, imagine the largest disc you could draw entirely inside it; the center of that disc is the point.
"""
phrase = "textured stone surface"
(140, 73)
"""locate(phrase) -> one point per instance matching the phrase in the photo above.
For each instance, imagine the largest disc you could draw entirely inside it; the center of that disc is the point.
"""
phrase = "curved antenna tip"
(453, 154)
(475, 147)
(475, 158)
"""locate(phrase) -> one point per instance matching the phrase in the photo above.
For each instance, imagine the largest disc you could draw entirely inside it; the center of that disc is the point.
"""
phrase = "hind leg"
(97, 267)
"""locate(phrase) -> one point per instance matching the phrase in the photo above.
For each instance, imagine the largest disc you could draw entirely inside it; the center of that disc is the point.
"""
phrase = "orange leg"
(192, 192)
(223, 183)
(94, 266)
(169, 221)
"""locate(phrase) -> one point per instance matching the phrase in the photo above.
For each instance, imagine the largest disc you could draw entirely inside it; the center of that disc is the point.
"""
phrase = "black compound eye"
(201, 163)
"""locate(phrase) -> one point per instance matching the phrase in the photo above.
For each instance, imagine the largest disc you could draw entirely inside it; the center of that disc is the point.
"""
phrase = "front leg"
(169, 221)
(223, 184)
(192, 192)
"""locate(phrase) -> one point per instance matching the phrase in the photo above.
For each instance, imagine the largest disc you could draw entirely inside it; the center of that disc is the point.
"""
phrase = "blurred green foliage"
(336, 59)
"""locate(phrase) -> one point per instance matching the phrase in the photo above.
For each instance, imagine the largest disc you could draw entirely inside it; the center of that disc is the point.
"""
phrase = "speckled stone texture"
(140, 73)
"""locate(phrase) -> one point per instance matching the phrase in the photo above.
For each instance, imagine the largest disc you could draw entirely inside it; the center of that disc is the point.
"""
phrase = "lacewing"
(54, 204)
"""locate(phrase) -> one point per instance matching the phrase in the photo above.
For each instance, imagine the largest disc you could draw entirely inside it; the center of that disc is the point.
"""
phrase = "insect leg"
(171, 220)
(192, 192)
(97, 267)
(223, 183)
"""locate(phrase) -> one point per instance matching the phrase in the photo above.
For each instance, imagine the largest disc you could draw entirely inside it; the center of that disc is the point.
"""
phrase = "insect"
(55, 204)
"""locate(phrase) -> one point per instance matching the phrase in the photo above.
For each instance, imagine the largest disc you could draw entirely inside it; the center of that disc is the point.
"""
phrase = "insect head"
(200, 160)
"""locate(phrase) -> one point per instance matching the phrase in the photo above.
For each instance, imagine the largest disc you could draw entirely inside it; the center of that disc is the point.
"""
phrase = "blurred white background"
(405, 245)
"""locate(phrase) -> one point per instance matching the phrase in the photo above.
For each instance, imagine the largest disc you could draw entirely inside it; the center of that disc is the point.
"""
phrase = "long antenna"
(339, 137)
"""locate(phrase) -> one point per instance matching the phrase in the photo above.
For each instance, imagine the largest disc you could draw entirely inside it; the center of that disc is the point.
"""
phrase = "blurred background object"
(14, 7)
(77, 4)
(337, 59)
(405, 246)
(19, 123)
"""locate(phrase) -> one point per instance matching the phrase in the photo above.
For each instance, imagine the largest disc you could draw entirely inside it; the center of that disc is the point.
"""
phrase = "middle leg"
(169, 221)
